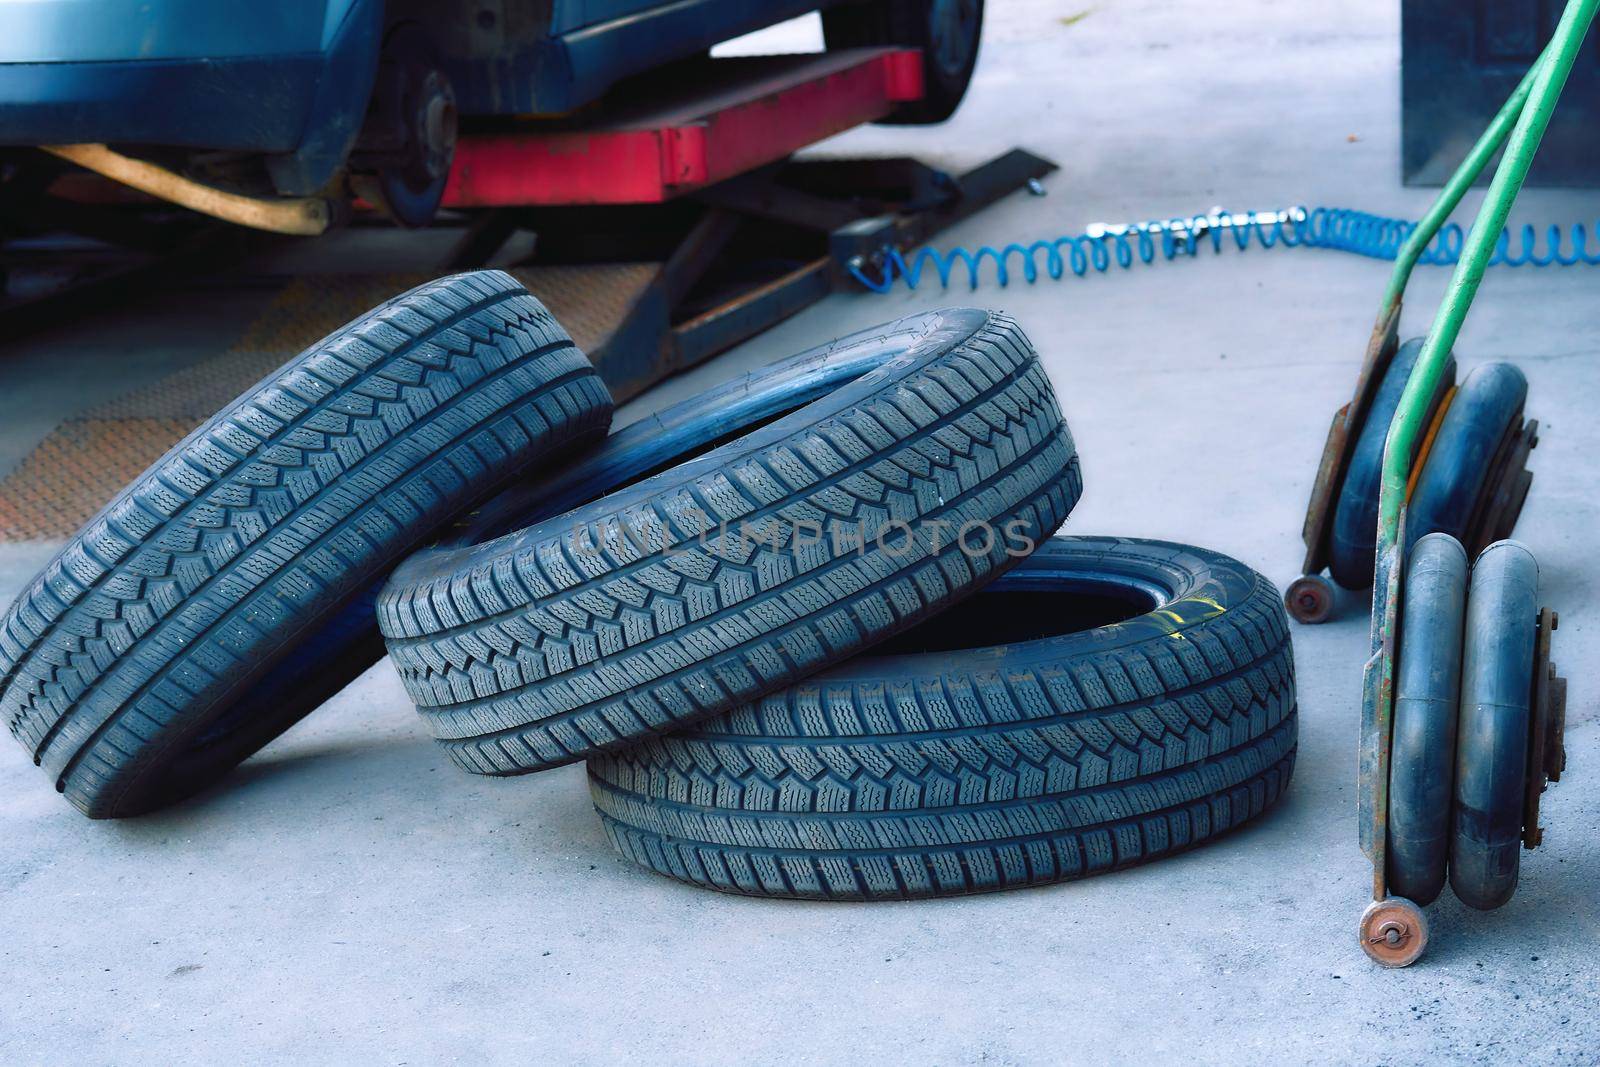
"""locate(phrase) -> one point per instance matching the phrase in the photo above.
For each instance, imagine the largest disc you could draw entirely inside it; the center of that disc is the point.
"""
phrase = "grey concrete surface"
(349, 896)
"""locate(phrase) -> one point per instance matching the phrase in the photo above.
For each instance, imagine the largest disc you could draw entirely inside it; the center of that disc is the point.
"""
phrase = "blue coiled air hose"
(1102, 247)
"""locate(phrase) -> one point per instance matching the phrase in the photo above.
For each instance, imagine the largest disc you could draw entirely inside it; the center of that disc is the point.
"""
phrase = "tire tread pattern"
(286, 502)
(570, 638)
(886, 781)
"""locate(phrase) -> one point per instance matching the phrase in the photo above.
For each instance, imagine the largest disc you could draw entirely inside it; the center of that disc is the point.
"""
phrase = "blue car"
(294, 98)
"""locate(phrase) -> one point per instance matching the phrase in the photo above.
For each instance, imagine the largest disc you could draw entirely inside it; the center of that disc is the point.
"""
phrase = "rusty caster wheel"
(1393, 932)
(1309, 599)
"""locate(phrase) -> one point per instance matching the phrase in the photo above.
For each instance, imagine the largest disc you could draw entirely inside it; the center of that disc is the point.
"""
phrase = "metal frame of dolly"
(1310, 597)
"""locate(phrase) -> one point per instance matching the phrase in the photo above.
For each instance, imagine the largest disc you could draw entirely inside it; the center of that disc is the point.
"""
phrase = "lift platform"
(670, 135)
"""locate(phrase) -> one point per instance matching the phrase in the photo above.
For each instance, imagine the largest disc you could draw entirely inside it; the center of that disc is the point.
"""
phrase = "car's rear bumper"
(297, 94)
(255, 103)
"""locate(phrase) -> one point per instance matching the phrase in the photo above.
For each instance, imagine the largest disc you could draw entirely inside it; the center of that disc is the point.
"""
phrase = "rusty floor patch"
(84, 461)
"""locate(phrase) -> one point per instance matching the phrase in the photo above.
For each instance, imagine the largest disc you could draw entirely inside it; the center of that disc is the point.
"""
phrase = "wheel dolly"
(1505, 480)
(1499, 676)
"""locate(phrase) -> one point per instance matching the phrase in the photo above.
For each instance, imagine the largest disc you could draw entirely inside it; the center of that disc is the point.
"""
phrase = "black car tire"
(227, 592)
(694, 590)
(1138, 699)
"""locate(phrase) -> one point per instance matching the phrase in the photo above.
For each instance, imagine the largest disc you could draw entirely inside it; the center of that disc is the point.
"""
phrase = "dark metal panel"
(1460, 59)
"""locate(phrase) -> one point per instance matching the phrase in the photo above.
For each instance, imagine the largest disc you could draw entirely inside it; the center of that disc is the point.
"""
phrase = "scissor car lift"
(668, 225)
(695, 179)
(686, 172)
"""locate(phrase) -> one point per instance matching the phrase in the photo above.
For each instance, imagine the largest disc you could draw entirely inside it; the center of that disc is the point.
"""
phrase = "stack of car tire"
(690, 604)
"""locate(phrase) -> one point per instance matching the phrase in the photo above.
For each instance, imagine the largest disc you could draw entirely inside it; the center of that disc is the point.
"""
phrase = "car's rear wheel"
(947, 31)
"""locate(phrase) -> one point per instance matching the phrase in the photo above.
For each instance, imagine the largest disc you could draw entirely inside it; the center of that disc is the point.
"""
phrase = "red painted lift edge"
(656, 156)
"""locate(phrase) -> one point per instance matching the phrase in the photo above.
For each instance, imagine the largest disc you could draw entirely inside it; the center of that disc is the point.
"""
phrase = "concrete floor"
(348, 895)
